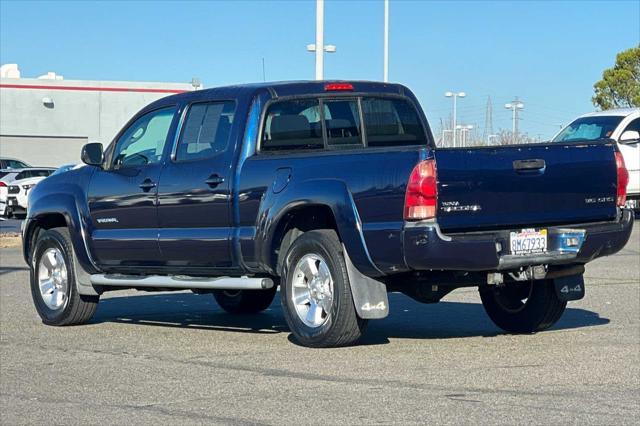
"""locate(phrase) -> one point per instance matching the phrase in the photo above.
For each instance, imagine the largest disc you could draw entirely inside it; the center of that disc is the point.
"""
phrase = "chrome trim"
(181, 281)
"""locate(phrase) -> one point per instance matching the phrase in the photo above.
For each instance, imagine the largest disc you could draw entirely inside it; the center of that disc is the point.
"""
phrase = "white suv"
(15, 185)
(621, 125)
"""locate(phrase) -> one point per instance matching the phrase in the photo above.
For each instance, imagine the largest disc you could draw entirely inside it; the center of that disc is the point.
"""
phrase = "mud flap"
(569, 288)
(369, 295)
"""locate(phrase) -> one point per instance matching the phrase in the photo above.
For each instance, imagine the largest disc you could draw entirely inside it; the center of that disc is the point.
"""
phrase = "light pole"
(319, 48)
(386, 41)
(515, 106)
(455, 96)
(464, 130)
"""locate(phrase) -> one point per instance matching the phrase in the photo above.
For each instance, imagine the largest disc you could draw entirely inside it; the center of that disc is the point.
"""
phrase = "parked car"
(621, 125)
(334, 191)
(18, 187)
(12, 163)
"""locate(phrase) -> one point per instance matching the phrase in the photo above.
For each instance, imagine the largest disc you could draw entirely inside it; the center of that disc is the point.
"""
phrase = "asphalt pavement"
(177, 358)
(9, 225)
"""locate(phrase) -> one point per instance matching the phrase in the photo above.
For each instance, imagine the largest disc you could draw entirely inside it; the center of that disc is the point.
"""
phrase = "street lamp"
(455, 96)
(514, 106)
(319, 47)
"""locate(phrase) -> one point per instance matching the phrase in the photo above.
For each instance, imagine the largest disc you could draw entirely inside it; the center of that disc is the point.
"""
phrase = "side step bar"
(182, 281)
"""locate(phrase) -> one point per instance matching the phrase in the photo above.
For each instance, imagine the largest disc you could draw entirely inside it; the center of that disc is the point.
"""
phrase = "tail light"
(622, 180)
(2, 184)
(333, 87)
(422, 193)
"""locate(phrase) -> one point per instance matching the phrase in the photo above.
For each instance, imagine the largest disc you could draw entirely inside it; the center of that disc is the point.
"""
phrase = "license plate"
(528, 241)
(13, 202)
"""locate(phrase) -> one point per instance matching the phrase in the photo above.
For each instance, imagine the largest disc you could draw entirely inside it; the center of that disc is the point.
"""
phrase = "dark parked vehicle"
(333, 191)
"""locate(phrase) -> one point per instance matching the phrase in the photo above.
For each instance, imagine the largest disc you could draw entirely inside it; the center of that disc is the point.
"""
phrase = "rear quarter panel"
(370, 183)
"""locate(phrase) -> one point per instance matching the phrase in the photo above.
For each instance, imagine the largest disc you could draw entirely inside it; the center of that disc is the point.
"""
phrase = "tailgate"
(528, 185)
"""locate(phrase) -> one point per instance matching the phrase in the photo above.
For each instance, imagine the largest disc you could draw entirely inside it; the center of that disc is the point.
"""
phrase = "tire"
(334, 321)
(245, 301)
(59, 303)
(523, 307)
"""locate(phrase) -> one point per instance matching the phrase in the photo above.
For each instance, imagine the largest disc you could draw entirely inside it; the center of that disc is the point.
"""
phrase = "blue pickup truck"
(333, 191)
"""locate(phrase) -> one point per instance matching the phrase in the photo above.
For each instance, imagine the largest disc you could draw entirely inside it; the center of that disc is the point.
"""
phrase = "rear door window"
(206, 130)
(392, 122)
(342, 122)
(293, 125)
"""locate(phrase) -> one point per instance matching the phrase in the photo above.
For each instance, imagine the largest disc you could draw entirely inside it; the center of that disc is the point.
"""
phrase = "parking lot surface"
(9, 225)
(159, 358)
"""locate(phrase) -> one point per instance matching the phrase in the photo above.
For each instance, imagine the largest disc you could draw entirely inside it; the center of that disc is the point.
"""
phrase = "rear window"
(33, 173)
(342, 121)
(206, 130)
(305, 123)
(293, 125)
(392, 122)
(589, 128)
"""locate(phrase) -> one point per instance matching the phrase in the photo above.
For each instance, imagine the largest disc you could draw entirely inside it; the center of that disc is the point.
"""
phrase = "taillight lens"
(2, 184)
(332, 87)
(422, 193)
(622, 180)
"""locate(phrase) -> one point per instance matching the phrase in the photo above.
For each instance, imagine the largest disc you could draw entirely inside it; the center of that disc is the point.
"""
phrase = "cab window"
(144, 141)
(206, 130)
(392, 122)
(342, 123)
(293, 125)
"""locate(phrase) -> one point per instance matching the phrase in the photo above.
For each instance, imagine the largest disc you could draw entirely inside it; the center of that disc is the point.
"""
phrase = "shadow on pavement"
(408, 319)
(8, 269)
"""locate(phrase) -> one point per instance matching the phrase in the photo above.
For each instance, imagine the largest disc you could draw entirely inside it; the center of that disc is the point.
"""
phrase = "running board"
(182, 281)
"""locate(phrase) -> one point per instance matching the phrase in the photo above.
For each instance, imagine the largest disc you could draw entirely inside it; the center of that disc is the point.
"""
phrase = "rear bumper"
(426, 248)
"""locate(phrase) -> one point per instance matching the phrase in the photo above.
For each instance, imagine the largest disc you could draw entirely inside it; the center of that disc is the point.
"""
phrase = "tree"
(505, 137)
(620, 85)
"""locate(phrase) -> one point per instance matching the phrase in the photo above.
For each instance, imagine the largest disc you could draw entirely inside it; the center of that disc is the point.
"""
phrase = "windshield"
(589, 128)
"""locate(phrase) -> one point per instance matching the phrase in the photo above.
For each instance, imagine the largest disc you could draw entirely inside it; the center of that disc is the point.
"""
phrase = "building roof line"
(90, 88)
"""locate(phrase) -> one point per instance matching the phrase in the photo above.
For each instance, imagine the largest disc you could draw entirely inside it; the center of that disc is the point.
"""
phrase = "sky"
(548, 53)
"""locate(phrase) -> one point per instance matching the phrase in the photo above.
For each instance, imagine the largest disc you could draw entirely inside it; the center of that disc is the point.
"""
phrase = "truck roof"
(281, 88)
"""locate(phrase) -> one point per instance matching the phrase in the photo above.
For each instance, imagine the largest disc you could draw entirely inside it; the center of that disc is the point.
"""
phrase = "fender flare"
(67, 205)
(369, 294)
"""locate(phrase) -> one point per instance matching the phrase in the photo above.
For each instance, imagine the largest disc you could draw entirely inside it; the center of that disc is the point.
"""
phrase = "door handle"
(528, 165)
(214, 180)
(147, 185)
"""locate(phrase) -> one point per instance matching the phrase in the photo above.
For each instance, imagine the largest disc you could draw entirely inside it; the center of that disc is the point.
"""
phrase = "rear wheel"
(523, 307)
(245, 301)
(316, 293)
(53, 281)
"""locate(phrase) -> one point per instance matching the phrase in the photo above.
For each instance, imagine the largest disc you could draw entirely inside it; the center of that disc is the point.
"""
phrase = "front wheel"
(316, 293)
(53, 281)
(523, 307)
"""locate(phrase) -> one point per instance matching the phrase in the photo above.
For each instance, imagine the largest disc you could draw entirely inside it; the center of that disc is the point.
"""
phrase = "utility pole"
(386, 41)
(515, 106)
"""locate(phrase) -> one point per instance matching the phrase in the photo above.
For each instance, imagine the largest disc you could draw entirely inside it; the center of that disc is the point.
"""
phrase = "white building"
(46, 120)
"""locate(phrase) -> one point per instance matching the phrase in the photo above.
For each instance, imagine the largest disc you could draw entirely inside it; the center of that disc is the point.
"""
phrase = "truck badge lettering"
(108, 220)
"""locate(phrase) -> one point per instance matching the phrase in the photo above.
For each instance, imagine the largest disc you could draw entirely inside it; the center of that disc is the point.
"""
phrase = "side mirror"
(92, 154)
(630, 137)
